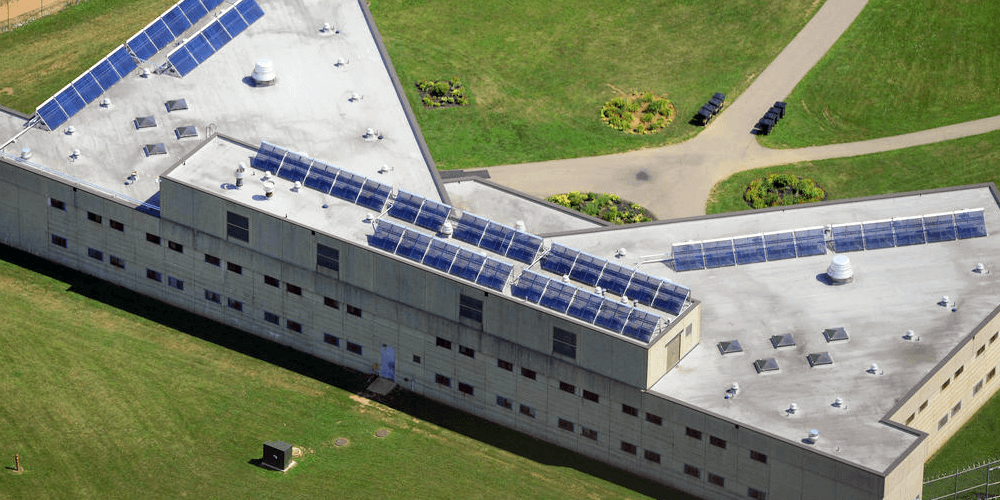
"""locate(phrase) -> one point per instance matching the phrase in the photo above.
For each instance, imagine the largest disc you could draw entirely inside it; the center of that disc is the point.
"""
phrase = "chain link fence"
(17, 13)
(979, 481)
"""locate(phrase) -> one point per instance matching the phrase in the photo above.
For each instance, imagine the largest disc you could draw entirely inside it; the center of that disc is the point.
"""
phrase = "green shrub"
(607, 206)
(633, 107)
(647, 117)
(440, 89)
(780, 190)
(428, 101)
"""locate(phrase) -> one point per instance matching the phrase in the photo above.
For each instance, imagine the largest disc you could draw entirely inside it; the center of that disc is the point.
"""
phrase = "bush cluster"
(438, 93)
(638, 113)
(777, 190)
(609, 207)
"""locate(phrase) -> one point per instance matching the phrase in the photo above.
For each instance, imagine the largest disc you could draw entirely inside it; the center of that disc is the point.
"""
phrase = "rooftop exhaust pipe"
(813, 436)
(70, 130)
(263, 73)
(519, 225)
(840, 271)
(241, 171)
(106, 102)
(792, 409)
(269, 189)
(25, 153)
(447, 228)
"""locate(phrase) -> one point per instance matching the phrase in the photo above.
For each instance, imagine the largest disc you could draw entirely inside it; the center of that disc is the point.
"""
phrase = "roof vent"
(621, 253)
(766, 365)
(835, 334)
(241, 171)
(355, 97)
(145, 72)
(980, 268)
(326, 28)
(792, 408)
(729, 347)
(599, 291)
(384, 169)
(813, 436)
(840, 270)
(839, 403)
(269, 189)
(447, 228)
(263, 73)
(297, 186)
(945, 301)
(70, 130)
(874, 369)
(735, 388)
(106, 102)
(341, 62)
(565, 278)
(785, 340)
(519, 225)
(819, 358)
(371, 134)
(624, 299)
(25, 153)
(75, 154)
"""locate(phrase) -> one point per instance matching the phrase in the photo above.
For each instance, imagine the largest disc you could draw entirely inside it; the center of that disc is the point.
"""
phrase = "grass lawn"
(110, 395)
(975, 442)
(903, 66)
(957, 162)
(538, 72)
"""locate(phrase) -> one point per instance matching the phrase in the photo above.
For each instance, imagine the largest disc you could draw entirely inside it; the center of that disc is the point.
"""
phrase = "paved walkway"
(675, 181)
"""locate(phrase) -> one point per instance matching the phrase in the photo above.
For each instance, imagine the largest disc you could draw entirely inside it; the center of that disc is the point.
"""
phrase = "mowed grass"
(101, 402)
(903, 66)
(957, 162)
(539, 71)
(975, 442)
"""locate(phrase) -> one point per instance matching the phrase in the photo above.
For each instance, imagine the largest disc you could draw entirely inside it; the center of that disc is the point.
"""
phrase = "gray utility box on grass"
(277, 455)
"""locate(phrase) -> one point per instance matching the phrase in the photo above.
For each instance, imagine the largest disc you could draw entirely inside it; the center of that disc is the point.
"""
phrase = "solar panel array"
(962, 224)
(497, 238)
(96, 81)
(418, 210)
(168, 27)
(210, 39)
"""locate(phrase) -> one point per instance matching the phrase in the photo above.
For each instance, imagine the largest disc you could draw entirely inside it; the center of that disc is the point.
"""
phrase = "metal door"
(673, 352)
(388, 367)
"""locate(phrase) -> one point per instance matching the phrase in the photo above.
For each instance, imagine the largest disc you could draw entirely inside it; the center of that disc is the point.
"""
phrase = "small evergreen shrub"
(607, 206)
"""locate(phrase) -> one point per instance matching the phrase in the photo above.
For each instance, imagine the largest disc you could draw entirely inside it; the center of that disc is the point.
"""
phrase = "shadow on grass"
(349, 380)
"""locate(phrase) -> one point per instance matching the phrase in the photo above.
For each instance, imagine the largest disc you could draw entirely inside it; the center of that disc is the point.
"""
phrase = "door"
(387, 369)
(673, 352)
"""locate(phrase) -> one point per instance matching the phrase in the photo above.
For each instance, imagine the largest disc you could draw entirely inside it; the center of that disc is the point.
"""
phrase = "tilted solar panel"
(970, 224)
(440, 255)
(878, 235)
(587, 269)
(524, 247)
(348, 186)
(70, 101)
(719, 253)
(688, 256)
(159, 34)
(413, 245)
(122, 61)
(405, 206)
(321, 177)
(199, 47)
(613, 315)
(87, 87)
(250, 10)
(432, 215)
(193, 10)
(216, 35)
(749, 250)
(810, 241)
(671, 298)
(387, 236)
(529, 286)
(373, 195)
(615, 278)
(497, 238)
(470, 228)
(936, 227)
(268, 157)
(559, 259)
(182, 60)
(467, 264)
(494, 274)
(643, 288)
(142, 46)
(780, 246)
(176, 21)
(558, 295)
(585, 306)
(233, 22)
(105, 74)
(52, 114)
(211, 4)
(640, 325)
(909, 231)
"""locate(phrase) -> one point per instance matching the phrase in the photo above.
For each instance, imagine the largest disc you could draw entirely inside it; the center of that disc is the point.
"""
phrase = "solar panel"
(467, 264)
(233, 22)
(88, 88)
(936, 227)
(470, 228)
(719, 253)
(373, 195)
(749, 250)
(176, 21)
(909, 231)
(70, 101)
(193, 10)
(529, 286)
(848, 238)
(497, 238)
(557, 296)
(413, 245)
(671, 298)
(970, 224)
(559, 259)
(405, 206)
(878, 235)
(688, 256)
(612, 315)
(268, 157)
(52, 114)
(494, 274)
(524, 247)
(105, 74)
(585, 306)
(142, 46)
(216, 35)
(348, 186)
(159, 34)
(199, 48)
(642, 288)
(250, 10)
(182, 60)
(122, 61)
(440, 255)
(587, 269)
(640, 325)
(810, 241)
(615, 278)
(321, 177)
(432, 215)
(779, 246)
(211, 4)
(387, 236)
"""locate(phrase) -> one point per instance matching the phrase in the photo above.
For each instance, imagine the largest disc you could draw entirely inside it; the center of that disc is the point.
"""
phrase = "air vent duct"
(263, 73)
(840, 270)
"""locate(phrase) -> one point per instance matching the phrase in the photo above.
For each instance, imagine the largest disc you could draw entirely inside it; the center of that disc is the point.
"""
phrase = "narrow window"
(96, 254)
(416, 359)
(957, 408)
(293, 289)
(442, 380)
(443, 343)
(756, 494)
(980, 351)
(564, 343)
(588, 433)
(175, 283)
(943, 421)
(465, 388)
(327, 257)
(923, 406)
(630, 410)
(213, 296)
(236, 268)
(687, 331)
(238, 227)
(91, 216)
(57, 204)
(692, 471)
(991, 374)
(570, 388)
(328, 302)
(504, 402)
(177, 247)
(959, 371)
(353, 311)
(652, 456)
(591, 396)
(527, 410)
(354, 348)
(213, 260)
(628, 448)
(470, 311)
(294, 326)
(909, 419)
(118, 226)
(654, 419)
(270, 317)
(116, 261)
(153, 275)
(506, 365)
(272, 281)
(528, 373)
(235, 304)
(566, 425)
(467, 351)
(758, 456)
(152, 238)
(332, 340)
(717, 442)
(978, 387)
(716, 480)
(58, 241)
(693, 433)
(945, 384)
(994, 337)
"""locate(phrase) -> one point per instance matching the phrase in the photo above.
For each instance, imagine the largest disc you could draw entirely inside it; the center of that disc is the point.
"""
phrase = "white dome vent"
(840, 270)
(263, 73)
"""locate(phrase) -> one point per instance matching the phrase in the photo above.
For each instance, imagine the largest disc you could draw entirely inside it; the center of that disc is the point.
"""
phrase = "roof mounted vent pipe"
(792, 409)
(326, 28)
(75, 154)
(263, 73)
(519, 225)
(980, 268)
(25, 153)
(369, 217)
(565, 278)
(624, 300)
(621, 253)
(384, 169)
(70, 130)
(145, 72)
(840, 271)
(269, 189)
(945, 300)
(874, 369)
(341, 62)
(839, 403)
(297, 186)
(241, 171)
(813, 436)
(106, 102)
(599, 291)
(447, 228)
(355, 97)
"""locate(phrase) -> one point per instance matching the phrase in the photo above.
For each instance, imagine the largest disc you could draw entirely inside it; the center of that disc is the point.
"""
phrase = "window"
(923, 406)
(57, 204)
(991, 374)
(235, 304)
(758, 456)
(693, 433)
(717, 442)
(959, 371)
(652, 456)
(152, 238)
(177, 247)
(630, 410)
(588, 433)
(687, 330)
(213, 260)
(957, 408)
(270, 280)
(654, 419)
(527, 410)
(353, 311)
(58, 241)
(504, 402)
(293, 289)
(236, 268)
(294, 326)
(978, 387)
(116, 261)
(328, 302)
(566, 425)
(756, 494)
(443, 343)
(354, 348)
(175, 283)
(628, 448)
(692, 471)
(994, 337)
(570, 388)
(327, 257)
(332, 340)
(716, 480)
(591, 396)
(213, 296)
(153, 275)
(416, 359)
(564, 343)
(118, 226)
(442, 380)
(465, 388)
(506, 365)
(270, 317)
(528, 373)
(467, 351)
(238, 227)
(980, 351)
(943, 421)
(91, 216)
(94, 253)
(909, 419)
(470, 311)
(945, 384)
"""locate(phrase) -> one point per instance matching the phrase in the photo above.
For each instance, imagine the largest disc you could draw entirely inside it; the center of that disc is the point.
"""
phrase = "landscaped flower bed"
(442, 93)
(777, 190)
(609, 207)
(638, 113)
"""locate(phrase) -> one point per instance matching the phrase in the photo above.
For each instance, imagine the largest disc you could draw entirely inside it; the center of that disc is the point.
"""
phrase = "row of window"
(335, 341)
(947, 383)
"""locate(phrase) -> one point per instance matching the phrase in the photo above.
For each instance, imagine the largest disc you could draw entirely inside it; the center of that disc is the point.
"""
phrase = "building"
(358, 253)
